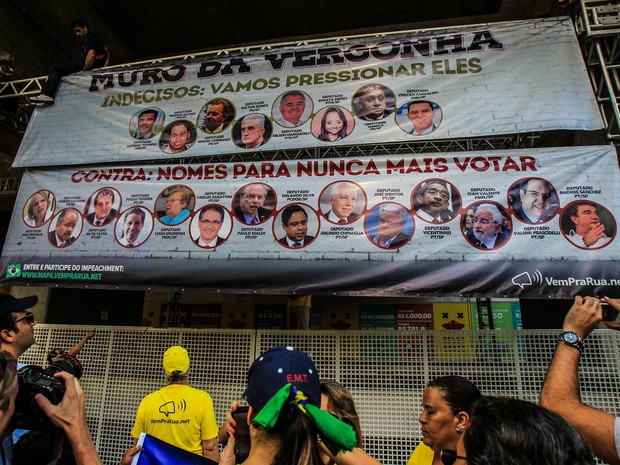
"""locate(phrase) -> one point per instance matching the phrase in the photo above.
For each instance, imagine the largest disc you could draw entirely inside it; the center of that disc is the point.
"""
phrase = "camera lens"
(66, 363)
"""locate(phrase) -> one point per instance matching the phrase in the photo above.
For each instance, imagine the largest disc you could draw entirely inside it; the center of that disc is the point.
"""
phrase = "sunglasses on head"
(448, 456)
(29, 318)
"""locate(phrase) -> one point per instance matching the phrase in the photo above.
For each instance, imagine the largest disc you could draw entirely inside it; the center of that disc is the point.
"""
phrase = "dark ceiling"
(198, 25)
(37, 34)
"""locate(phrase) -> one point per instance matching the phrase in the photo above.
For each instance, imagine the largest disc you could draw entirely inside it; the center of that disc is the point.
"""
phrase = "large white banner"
(482, 80)
(513, 223)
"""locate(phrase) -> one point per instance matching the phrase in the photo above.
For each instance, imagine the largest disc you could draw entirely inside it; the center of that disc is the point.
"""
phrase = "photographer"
(16, 324)
(33, 436)
(16, 336)
(560, 392)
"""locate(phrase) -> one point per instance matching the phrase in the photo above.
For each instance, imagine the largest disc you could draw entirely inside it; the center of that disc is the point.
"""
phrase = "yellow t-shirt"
(178, 414)
(422, 455)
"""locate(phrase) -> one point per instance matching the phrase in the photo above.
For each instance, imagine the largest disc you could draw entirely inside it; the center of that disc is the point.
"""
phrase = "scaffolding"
(598, 26)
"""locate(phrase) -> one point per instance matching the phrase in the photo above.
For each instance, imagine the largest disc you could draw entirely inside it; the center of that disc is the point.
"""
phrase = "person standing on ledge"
(95, 56)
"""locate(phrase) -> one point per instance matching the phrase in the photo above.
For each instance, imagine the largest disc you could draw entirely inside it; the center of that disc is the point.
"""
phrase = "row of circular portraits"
(292, 109)
(485, 224)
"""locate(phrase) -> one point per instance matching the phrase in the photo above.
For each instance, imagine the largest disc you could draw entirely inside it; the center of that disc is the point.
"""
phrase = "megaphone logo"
(527, 279)
(171, 407)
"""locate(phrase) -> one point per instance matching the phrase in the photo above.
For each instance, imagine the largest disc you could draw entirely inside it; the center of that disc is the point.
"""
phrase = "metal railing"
(386, 371)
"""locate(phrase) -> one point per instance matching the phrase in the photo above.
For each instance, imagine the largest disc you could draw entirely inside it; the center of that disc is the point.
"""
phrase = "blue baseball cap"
(277, 367)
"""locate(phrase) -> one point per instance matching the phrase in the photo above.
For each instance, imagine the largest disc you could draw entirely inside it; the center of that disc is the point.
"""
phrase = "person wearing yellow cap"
(177, 413)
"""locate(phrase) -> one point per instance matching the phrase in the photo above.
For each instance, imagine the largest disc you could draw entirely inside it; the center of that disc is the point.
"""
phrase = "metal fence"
(386, 371)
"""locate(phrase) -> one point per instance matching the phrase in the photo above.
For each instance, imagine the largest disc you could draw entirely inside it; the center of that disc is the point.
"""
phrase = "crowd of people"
(295, 417)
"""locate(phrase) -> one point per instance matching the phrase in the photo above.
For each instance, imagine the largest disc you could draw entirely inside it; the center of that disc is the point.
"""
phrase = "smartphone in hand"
(242, 434)
(609, 313)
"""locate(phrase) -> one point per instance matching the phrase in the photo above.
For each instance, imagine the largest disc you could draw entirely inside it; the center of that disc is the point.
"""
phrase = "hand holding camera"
(34, 382)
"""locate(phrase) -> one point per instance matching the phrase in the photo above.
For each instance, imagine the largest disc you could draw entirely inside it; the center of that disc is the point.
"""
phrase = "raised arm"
(560, 392)
(75, 350)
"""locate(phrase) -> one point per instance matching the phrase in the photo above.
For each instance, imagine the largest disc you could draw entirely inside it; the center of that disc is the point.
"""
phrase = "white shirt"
(100, 220)
(124, 241)
(529, 218)
(425, 216)
(201, 243)
(428, 130)
(376, 240)
(287, 124)
(291, 242)
(332, 217)
(578, 240)
(59, 241)
(490, 244)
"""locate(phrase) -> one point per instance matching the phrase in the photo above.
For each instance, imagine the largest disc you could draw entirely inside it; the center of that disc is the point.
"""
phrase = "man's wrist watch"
(572, 339)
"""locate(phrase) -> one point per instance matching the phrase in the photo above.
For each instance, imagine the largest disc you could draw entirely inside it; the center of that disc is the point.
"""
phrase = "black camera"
(36, 380)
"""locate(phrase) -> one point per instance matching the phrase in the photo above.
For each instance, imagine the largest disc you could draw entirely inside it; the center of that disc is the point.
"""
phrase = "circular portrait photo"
(491, 226)
(211, 226)
(373, 102)
(332, 123)
(216, 115)
(178, 137)
(292, 109)
(146, 123)
(39, 208)
(467, 220)
(342, 202)
(254, 203)
(419, 117)
(252, 131)
(389, 225)
(134, 227)
(102, 206)
(588, 225)
(300, 225)
(174, 205)
(436, 201)
(65, 228)
(533, 200)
